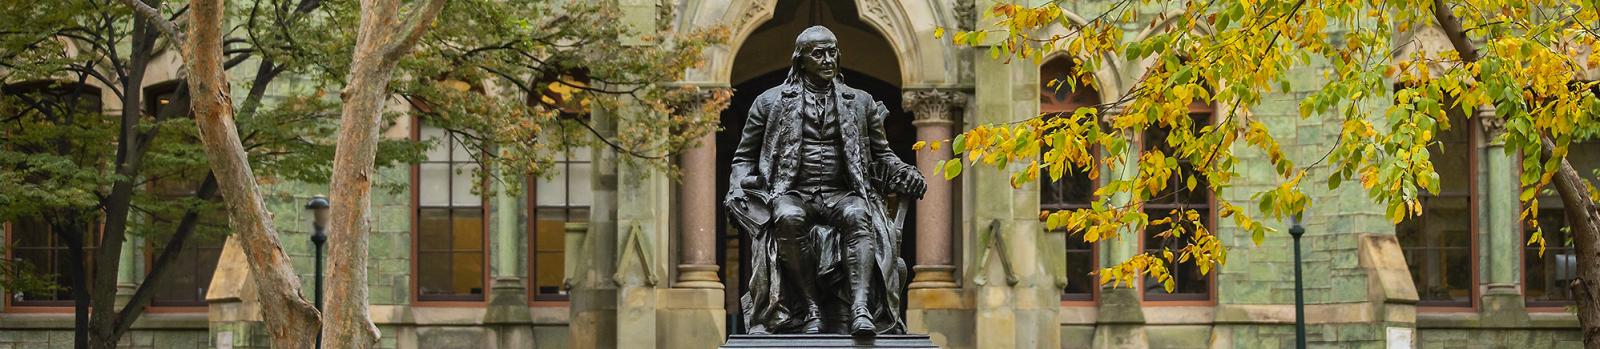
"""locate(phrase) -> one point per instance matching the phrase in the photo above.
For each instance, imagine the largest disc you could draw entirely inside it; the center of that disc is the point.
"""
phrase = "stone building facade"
(612, 254)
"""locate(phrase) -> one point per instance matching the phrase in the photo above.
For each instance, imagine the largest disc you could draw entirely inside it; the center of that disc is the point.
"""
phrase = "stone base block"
(945, 314)
(1503, 307)
(691, 318)
(774, 341)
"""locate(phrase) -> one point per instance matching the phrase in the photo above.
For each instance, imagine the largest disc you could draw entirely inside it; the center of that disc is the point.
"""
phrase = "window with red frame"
(1438, 243)
(450, 256)
(1074, 190)
(1547, 276)
(189, 276)
(1190, 283)
(561, 198)
(37, 242)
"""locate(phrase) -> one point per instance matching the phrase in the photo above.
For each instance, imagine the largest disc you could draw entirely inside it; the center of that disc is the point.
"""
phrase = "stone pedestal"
(126, 277)
(745, 341)
(507, 302)
(691, 317)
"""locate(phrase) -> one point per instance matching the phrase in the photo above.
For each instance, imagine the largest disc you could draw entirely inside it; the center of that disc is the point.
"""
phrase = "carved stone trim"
(1493, 127)
(755, 12)
(933, 105)
(966, 15)
(666, 14)
(698, 98)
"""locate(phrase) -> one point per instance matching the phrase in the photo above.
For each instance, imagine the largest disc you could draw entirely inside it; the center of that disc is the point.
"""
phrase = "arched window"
(449, 234)
(1075, 190)
(1438, 244)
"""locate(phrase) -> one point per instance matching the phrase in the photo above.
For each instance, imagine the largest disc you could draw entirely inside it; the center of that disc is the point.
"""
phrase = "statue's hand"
(752, 182)
(736, 193)
(909, 181)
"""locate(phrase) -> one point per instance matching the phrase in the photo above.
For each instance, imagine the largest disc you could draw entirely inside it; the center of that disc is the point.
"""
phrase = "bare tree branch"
(161, 23)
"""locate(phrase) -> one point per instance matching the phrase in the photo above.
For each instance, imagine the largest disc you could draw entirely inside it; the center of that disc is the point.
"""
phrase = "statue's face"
(821, 62)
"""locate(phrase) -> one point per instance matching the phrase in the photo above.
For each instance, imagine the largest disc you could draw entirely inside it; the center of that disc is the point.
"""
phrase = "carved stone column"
(698, 245)
(934, 111)
(1500, 222)
(1501, 302)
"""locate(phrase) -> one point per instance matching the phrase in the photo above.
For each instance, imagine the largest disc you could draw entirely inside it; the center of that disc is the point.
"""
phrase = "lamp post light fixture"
(319, 225)
(1295, 230)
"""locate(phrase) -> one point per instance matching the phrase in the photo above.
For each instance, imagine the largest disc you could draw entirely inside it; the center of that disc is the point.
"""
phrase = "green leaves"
(1353, 123)
(952, 168)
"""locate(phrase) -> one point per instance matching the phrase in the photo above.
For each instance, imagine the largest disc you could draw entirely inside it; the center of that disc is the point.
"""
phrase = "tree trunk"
(381, 41)
(129, 161)
(71, 233)
(291, 321)
(1585, 227)
(1575, 201)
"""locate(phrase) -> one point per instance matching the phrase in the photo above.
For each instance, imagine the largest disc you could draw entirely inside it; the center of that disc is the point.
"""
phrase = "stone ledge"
(1077, 315)
(1472, 320)
(1179, 315)
(401, 315)
(1326, 313)
(64, 321)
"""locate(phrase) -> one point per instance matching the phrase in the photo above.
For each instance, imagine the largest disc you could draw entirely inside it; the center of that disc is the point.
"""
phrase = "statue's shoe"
(813, 326)
(863, 327)
(813, 320)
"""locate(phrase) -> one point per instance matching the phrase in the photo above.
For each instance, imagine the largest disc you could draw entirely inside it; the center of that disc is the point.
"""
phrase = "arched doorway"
(867, 62)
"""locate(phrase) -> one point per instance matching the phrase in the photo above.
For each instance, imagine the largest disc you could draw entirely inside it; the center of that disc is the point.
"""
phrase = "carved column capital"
(691, 100)
(966, 15)
(933, 106)
(1493, 126)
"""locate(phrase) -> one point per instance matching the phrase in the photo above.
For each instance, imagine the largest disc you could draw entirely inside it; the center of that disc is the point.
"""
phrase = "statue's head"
(816, 54)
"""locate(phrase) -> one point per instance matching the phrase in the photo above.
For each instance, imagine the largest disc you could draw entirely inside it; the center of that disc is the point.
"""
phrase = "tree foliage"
(520, 78)
(1532, 72)
(472, 74)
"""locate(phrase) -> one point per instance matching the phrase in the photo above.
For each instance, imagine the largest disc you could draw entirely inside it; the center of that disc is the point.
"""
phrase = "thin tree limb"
(156, 19)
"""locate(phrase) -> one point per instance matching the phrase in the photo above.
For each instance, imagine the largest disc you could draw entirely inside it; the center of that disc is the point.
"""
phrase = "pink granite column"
(698, 268)
(933, 109)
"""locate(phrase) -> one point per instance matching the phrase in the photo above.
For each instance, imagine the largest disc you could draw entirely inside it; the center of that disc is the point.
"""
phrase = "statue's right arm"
(748, 152)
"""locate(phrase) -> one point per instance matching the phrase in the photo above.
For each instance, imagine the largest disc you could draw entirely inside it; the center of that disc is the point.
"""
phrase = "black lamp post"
(1296, 231)
(319, 223)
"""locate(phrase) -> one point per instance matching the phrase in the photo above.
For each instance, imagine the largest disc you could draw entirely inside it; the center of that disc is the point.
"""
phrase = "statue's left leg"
(850, 215)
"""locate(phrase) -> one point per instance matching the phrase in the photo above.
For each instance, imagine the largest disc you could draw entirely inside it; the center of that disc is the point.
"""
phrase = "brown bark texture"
(382, 39)
(1575, 201)
(291, 321)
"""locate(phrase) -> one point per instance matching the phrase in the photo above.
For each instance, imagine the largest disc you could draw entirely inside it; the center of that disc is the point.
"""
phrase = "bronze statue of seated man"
(810, 174)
